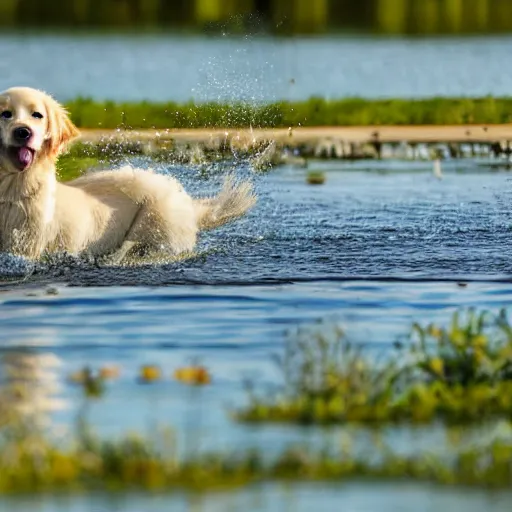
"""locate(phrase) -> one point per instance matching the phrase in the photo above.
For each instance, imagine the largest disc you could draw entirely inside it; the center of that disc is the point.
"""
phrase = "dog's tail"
(232, 202)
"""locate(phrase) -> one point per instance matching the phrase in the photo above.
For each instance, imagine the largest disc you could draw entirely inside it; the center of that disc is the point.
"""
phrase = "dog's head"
(33, 128)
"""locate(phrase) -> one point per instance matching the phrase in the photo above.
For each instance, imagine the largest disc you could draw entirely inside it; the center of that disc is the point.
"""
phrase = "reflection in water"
(30, 386)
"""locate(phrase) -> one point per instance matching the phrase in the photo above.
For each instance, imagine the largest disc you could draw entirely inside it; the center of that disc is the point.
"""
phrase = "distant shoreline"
(315, 113)
(473, 133)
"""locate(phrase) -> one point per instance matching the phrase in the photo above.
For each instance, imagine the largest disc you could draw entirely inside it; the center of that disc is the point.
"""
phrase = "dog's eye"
(6, 114)
(37, 115)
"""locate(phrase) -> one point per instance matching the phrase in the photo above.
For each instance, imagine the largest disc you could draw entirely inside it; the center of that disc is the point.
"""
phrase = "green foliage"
(70, 167)
(281, 16)
(87, 113)
(466, 353)
(460, 374)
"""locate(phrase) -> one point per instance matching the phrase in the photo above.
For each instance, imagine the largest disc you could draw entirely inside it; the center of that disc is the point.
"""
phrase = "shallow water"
(166, 67)
(289, 498)
(378, 246)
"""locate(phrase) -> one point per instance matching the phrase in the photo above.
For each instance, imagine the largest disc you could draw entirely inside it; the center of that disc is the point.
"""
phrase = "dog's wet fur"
(110, 213)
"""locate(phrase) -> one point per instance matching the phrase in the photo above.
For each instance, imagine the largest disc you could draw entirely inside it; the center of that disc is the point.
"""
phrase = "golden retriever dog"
(103, 213)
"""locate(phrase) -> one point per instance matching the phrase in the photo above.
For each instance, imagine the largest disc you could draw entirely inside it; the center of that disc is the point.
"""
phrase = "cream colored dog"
(101, 213)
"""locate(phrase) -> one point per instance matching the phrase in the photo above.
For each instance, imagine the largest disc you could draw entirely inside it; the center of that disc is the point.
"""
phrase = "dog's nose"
(22, 133)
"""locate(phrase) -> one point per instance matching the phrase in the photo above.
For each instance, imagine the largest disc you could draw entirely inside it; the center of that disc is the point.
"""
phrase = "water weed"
(315, 178)
(461, 373)
(31, 462)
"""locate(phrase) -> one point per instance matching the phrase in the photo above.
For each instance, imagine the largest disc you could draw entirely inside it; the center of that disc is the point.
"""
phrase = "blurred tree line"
(280, 16)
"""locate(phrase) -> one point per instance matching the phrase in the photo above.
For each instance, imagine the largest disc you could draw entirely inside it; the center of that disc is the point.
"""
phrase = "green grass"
(314, 112)
(32, 462)
(461, 374)
(70, 167)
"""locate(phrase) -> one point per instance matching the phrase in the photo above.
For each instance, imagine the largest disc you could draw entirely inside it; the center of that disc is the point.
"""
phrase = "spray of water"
(242, 76)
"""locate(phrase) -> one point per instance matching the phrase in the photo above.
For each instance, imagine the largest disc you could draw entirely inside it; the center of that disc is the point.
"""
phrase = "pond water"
(167, 67)
(281, 498)
(380, 245)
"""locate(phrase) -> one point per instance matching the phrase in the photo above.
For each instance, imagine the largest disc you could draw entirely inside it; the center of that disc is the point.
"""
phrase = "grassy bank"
(314, 112)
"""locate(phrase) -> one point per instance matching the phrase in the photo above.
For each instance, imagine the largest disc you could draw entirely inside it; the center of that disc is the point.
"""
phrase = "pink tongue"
(25, 156)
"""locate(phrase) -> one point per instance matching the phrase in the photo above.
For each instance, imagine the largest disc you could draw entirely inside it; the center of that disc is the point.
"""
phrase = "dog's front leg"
(118, 256)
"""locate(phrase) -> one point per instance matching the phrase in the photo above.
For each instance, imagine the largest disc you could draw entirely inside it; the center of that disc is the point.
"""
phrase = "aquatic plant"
(315, 178)
(92, 383)
(461, 373)
(31, 461)
(474, 349)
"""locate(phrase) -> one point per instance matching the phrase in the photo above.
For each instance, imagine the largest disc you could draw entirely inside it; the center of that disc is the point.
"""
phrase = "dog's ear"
(60, 130)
